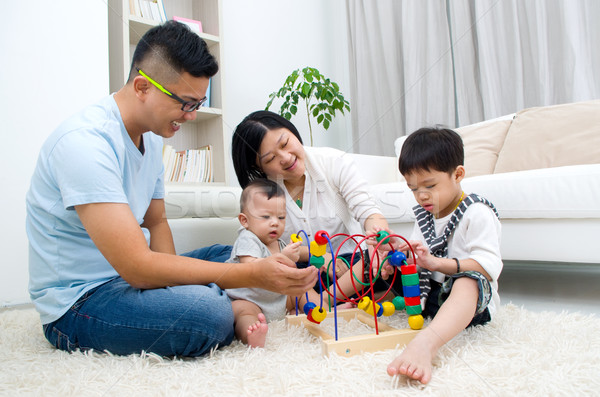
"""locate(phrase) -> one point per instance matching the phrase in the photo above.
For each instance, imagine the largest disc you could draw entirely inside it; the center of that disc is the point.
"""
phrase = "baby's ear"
(243, 220)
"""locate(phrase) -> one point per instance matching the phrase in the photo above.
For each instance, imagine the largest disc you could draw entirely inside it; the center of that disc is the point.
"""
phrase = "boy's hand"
(292, 251)
(424, 257)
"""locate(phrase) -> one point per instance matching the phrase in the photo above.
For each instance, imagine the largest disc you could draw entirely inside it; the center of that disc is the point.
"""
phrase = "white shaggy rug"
(518, 353)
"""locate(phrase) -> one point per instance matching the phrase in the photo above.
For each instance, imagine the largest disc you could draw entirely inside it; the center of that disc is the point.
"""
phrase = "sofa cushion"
(482, 142)
(534, 194)
(562, 192)
(395, 201)
(552, 136)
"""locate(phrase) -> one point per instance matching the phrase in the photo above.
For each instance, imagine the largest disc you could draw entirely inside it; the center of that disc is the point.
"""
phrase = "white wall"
(265, 40)
(54, 61)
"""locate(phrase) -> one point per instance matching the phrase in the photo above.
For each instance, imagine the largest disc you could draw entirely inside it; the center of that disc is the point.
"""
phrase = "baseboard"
(17, 306)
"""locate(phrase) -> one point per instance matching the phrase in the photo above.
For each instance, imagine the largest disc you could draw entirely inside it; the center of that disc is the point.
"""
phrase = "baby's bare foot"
(415, 361)
(257, 332)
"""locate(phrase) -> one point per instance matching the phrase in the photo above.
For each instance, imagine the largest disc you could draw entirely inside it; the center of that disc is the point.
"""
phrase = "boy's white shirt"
(477, 236)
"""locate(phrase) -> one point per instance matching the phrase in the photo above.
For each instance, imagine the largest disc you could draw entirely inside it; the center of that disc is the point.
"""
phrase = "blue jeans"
(186, 320)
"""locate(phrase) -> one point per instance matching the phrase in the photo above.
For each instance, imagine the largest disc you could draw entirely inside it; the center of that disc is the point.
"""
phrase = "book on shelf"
(192, 165)
(196, 26)
(148, 9)
(207, 103)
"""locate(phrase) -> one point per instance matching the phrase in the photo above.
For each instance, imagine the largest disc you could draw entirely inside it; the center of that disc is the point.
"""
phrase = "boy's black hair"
(262, 185)
(246, 141)
(437, 149)
(171, 49)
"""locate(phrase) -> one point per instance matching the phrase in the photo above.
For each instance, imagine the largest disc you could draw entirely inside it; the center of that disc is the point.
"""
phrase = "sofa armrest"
(193, 233)
(195, 200)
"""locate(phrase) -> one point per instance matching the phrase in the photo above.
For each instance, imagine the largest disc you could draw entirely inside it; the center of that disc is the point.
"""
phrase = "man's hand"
(279, 274)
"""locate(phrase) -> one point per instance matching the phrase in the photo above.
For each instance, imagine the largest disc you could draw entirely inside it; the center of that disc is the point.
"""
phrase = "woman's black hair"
(246, 141)
(438, 149)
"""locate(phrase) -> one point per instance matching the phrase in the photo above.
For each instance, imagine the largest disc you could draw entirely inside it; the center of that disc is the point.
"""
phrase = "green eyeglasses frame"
(186, 106)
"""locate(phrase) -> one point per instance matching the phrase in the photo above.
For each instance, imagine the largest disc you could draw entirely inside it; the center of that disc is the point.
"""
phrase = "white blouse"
(336, 199)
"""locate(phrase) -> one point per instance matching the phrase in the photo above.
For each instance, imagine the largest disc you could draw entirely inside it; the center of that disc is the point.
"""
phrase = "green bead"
(399, 303)
(412, 310)
(381, 235)
(410, 279)
(317, 261)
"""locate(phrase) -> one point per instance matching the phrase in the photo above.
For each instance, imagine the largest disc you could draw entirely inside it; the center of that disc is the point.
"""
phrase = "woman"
(323, 192)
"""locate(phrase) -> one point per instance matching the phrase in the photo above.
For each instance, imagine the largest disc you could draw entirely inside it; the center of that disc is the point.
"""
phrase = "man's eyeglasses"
(186, 106)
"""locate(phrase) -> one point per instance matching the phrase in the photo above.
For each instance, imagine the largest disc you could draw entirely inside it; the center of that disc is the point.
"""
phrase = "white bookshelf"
(125, 30)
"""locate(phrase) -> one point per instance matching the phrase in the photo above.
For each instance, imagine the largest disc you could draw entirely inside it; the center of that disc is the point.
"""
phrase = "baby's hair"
(437, 149)
(261, 185)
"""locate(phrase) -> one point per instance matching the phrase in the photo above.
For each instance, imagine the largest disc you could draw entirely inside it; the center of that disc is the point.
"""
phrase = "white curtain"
(456, 62)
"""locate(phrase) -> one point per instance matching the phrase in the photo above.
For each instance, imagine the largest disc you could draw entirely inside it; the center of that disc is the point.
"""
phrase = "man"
(103, 269)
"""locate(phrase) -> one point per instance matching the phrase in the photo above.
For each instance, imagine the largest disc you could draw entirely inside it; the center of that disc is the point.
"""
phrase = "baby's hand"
(292, 251)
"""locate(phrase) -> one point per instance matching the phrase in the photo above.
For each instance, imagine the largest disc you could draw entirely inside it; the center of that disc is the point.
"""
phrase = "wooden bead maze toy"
(368, 308)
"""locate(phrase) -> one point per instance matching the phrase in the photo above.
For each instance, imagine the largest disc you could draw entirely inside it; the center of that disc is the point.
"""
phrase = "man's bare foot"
(257, 332)
(415, 361)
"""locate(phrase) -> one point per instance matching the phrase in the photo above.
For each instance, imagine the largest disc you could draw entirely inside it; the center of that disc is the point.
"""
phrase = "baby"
(262, 216)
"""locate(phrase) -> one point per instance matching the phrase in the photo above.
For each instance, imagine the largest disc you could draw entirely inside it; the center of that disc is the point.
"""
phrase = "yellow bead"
(295, 238)
(317, 249)
(318, 314)
(415, 322)
(369, 308)
(364, 303)
(388, 308)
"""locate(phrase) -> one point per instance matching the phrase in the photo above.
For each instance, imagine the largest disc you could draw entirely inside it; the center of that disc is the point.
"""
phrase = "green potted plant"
(321, 96)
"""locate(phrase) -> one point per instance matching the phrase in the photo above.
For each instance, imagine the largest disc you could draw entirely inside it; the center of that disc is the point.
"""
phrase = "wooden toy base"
(388, 338)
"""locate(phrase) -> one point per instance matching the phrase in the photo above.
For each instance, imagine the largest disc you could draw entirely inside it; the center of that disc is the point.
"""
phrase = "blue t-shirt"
(89, 158)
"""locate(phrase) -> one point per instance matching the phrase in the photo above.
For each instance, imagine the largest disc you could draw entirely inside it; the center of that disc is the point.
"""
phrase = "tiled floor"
(551, 286)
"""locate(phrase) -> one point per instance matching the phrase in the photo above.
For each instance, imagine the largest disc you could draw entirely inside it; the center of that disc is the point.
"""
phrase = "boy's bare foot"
(346, 305)
(257, 332)
(415, 361)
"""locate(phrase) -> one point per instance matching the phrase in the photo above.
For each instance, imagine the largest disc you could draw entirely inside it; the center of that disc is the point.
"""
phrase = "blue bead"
(411, 290)
(308, 306)
(397, 258)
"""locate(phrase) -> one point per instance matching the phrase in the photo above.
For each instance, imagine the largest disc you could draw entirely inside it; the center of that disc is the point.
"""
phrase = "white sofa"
(540, 167)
